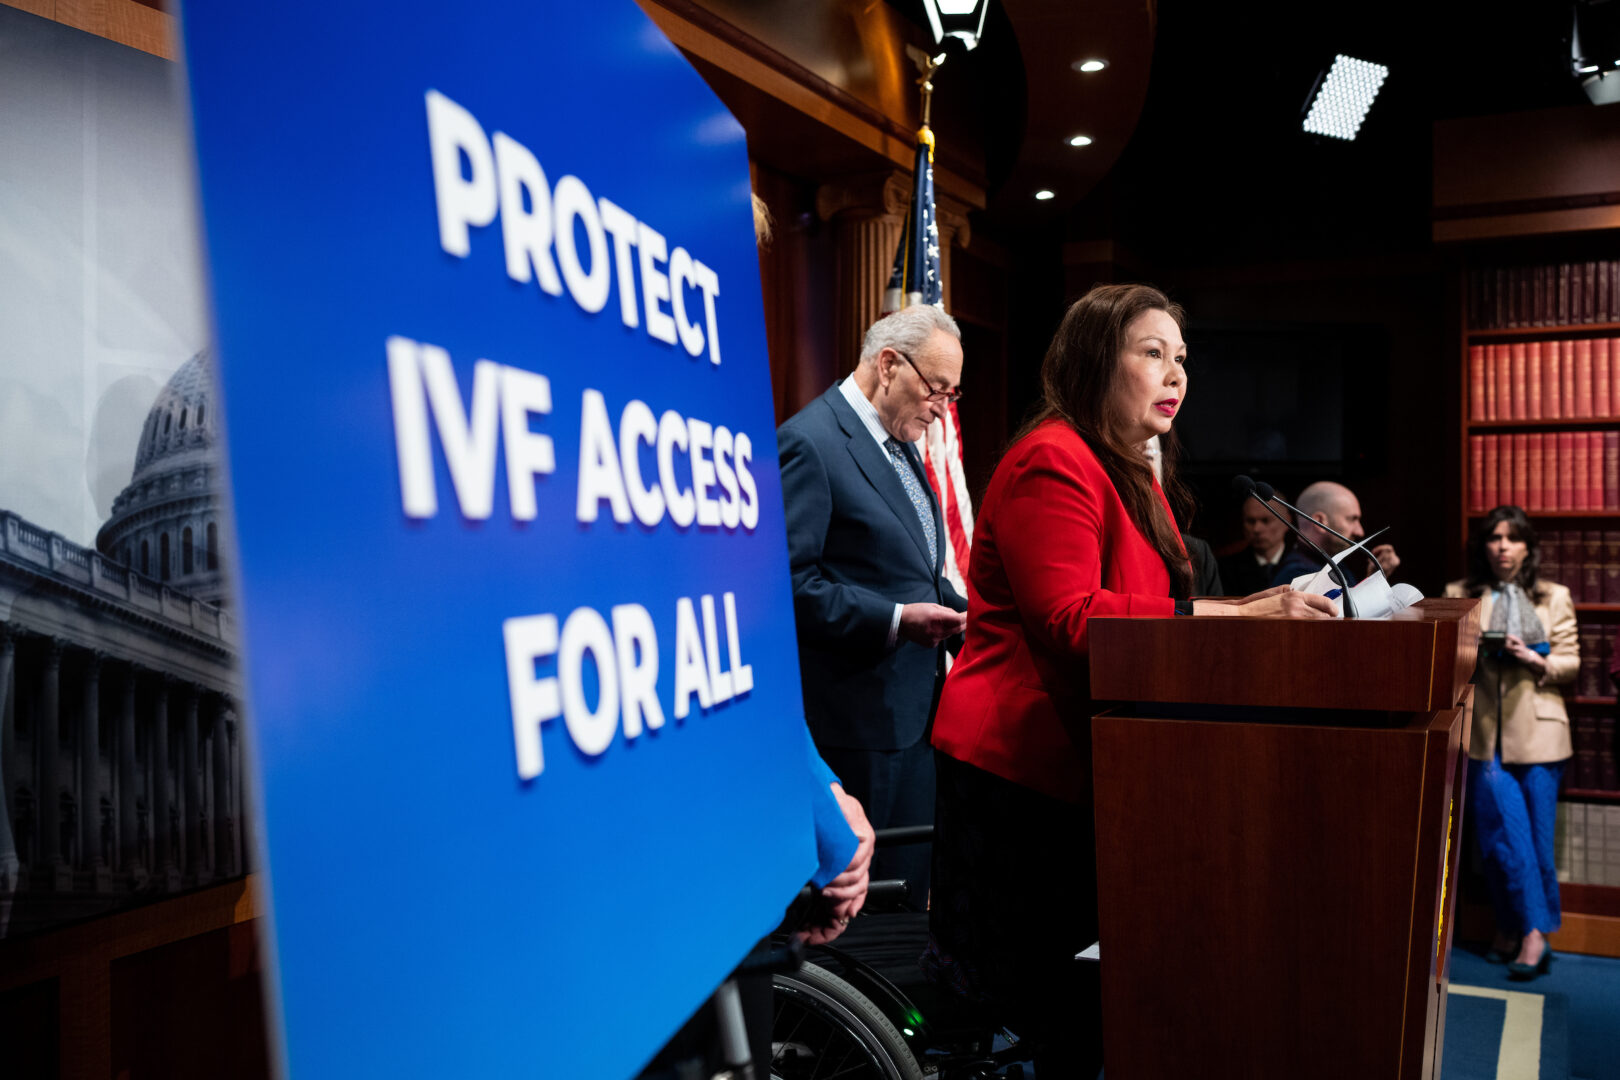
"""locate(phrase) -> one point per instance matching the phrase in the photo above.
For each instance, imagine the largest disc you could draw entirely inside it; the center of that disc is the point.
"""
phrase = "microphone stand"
(1249, 488)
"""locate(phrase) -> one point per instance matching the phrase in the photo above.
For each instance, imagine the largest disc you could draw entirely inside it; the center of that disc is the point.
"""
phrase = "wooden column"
(868, 215)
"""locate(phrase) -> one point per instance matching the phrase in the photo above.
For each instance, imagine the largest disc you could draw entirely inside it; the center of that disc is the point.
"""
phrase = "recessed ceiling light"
(1045, 194)
(1088, 66)
(1080, 140)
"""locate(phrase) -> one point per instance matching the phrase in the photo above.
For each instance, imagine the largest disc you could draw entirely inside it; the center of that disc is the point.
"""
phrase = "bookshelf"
(1540, 404)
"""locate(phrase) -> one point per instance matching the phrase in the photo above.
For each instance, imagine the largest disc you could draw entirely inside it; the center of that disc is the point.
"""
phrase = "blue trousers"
(1514, 808)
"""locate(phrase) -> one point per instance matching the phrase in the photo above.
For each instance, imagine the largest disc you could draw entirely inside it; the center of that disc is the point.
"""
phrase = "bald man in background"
(1337, 507)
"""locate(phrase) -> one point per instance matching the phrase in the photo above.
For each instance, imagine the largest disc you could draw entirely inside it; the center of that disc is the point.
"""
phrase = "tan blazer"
(1535, 725)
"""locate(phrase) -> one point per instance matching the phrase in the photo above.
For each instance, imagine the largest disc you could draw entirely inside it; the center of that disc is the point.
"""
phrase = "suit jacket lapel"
(875, 465)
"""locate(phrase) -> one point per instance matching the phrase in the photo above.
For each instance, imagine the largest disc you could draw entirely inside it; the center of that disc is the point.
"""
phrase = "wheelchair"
(862, 1009)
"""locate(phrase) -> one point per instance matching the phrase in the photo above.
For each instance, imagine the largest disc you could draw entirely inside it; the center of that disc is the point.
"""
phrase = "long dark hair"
(1078, 379)
(1481, 576)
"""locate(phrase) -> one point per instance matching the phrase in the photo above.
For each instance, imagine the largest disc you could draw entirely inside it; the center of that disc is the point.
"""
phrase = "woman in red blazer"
(1073, 525)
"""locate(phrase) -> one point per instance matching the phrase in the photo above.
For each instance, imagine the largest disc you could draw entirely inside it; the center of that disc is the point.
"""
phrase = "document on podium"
(1375, 597)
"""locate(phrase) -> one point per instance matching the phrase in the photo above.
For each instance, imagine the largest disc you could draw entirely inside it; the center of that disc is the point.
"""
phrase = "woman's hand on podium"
(1280, 600)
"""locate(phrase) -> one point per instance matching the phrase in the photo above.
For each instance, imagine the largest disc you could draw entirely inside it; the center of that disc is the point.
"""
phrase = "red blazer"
(1053, 546)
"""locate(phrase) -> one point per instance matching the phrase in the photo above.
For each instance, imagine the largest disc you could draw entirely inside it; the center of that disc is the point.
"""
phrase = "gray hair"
(906, 331)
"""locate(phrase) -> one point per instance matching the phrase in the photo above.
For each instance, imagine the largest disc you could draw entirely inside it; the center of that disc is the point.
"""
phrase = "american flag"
(916, 280)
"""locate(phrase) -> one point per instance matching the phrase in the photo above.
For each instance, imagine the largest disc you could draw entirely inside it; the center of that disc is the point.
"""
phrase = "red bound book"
(1589, 292)
(1611, 470)
(1588, 683)
(1566, 470)
(1492, 409)
(1576, 469)
(1533, 382)
(1549, 471)
(1551, 381)
(1476, 382)
(1604, 269)
(1488, 474)
(1577, 292)
(1602, 377)
(1594, 470)
(1566, 377)
(1535, 496)
(1583, 379)
(1521, 470)
(1611, 569)
(1521, 381)
(1476, 474)
(1504, 469)
(1592, 571)
(1611, 348)
(1562, 314)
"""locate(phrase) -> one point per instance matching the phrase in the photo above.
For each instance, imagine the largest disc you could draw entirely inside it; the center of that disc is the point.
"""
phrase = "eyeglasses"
(950, 397)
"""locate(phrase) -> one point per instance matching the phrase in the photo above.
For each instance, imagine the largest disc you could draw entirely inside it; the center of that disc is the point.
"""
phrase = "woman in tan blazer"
(1520, 741)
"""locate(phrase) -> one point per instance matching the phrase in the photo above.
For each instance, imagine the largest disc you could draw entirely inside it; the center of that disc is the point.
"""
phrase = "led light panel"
(1346, 95)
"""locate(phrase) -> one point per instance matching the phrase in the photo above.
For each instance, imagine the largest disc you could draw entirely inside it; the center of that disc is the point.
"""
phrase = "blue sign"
(513, 575)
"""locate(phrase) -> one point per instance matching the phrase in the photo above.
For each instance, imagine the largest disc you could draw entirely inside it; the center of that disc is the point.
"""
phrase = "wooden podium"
(1278, 823)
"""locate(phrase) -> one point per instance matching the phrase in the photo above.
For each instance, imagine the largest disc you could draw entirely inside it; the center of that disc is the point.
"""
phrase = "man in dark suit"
(1253, 569)
(866, 545)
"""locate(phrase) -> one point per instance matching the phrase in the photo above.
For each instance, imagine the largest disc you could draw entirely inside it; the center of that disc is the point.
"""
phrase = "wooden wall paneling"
(124, 21)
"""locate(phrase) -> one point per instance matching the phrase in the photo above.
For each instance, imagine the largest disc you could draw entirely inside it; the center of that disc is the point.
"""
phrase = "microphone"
(1263, 493)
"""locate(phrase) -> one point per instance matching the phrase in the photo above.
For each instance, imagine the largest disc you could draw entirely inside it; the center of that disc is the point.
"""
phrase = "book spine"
(1594, 470)
(1533, 380)
(1589, 292)
(1576, 467)
(1538, 296)
(1552, 556)
(1535, 494)
(1592, 574)
(1611, 568)
(1601, 314)
(1611, 470)
(1499, 304)
(1604, 372)
(1566, 470)
(1607, 780)
(1476, 474)
(1566, 377)
(1572, 565)
(1521, 381)
(1488, 485)
(1521, 469)
(1504, 469)
(1476, 383)
(1588, 682)
(1562, 316)
(1552, 385)
(1583, 379)
(1549, 471)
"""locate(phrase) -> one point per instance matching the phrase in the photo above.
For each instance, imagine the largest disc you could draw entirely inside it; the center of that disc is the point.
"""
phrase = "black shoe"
(1525, 972)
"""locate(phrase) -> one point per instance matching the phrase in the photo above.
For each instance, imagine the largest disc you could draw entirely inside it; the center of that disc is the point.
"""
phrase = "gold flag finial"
(926, 66)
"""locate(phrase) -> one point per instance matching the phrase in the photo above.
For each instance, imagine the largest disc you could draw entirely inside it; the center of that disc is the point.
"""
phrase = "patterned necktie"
(919, 498)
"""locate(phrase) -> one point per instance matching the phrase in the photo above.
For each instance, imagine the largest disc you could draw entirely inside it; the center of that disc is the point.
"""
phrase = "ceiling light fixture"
(1044, 194)
(1089, 66)
(960, 19)
(1341, 97)
(1080, 140)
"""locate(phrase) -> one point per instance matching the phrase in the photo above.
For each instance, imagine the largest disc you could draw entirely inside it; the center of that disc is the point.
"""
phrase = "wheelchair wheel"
(823, 1027)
